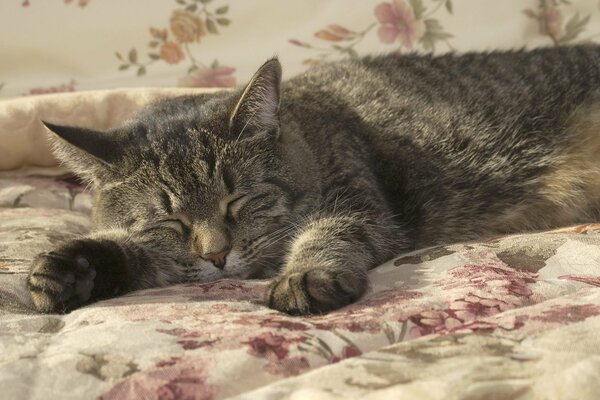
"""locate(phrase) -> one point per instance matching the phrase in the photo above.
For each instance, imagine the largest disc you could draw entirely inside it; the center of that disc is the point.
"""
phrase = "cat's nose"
(217, 258)
(212, 242)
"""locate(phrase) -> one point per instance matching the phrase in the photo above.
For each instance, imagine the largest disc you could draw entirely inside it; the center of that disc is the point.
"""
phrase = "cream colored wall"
(57, 45)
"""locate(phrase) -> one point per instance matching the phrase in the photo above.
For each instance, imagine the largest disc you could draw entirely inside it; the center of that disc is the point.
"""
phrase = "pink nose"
(218, 259)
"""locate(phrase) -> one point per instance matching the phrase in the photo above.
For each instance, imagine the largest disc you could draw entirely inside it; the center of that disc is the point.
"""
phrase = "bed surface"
(514, 317)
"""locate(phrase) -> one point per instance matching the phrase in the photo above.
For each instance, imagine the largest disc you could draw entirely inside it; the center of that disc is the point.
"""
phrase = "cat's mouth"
(235, 267)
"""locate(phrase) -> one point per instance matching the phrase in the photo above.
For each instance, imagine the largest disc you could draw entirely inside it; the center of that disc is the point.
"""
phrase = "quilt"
(510, 317)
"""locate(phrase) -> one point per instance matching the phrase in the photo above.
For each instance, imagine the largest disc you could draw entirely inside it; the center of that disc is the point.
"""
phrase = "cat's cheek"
(236, 266)
(251, 225)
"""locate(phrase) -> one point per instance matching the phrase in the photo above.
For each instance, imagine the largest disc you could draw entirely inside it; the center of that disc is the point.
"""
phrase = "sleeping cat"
(316, 180)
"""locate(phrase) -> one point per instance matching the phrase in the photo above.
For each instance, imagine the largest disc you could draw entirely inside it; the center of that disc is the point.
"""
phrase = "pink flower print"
(427, 322)
(283, 324)
(347, 352)
(65, 87)
(460, 313)
(287, 367)
(473, 307)
(267, 345)
(551, 20)
(566, 314)
(518, 287)
(170, 380)
(220, 76)
(275, 350)
(398, 22)
(350, 351)
(169, 362)
(491, 281)
(334, 33)
(186, 385)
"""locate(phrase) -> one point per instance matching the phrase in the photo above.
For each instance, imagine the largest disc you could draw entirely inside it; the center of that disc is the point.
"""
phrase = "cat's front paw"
(64, 279)
(315, 290)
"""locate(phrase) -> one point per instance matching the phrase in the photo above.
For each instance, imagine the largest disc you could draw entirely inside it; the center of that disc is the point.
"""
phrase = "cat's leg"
(328, 263)
(101, 265)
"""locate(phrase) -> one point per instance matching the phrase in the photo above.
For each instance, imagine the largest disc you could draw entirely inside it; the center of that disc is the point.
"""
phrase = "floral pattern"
(188, 26)
(452, 308)
(70, 86)
(550, 16)
(494, 312)
(398, 22)
(219, 43)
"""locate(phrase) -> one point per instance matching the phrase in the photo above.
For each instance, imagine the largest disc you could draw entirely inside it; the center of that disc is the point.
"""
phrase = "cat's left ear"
(90, 154)
(257, 110)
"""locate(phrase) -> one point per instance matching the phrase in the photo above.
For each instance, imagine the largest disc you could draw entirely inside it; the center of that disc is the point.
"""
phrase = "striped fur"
(319, 178)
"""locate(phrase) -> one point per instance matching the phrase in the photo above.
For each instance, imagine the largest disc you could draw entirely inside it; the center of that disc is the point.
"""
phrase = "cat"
(313, 181)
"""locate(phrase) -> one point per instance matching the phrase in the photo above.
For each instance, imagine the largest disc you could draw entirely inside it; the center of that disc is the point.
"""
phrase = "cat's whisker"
(269, 236)
(281, 234)
(259, 248)
(271, 241)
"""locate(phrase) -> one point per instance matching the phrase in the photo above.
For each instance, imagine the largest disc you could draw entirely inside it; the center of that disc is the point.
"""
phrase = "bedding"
(511, 317)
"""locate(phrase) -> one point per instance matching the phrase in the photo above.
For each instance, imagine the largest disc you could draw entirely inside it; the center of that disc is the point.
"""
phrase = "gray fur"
(332, 173)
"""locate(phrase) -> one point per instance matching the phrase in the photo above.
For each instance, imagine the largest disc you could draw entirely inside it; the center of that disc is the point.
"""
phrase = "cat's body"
(356, 162)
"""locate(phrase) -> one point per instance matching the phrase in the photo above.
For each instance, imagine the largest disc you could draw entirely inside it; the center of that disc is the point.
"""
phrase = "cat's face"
(200, 178)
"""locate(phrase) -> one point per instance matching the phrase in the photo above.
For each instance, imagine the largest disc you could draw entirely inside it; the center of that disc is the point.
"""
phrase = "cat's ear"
(90, 154)
(257, 110)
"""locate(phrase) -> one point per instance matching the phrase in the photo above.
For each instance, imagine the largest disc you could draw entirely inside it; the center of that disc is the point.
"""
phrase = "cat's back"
(381, 87)
(473, 142)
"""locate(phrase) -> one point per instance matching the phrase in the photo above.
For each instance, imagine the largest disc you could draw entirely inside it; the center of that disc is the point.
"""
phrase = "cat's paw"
(315, 290)
(64, 279)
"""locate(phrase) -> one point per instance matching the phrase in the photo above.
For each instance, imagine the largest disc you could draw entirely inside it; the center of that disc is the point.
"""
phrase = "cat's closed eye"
(177, 225)
(233, 206)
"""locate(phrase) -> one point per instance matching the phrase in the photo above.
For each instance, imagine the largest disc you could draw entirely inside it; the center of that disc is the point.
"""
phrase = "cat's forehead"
(196, 161)
(207, 109)
(188, 140)
(178, 188)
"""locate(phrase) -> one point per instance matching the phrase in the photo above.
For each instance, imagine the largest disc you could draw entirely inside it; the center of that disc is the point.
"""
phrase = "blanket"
(508, 317)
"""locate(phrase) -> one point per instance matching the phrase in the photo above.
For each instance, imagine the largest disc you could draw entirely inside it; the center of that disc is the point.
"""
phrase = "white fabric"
(23, 138)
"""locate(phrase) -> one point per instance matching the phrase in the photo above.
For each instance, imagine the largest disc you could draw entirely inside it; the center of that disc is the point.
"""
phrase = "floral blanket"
(513, 317)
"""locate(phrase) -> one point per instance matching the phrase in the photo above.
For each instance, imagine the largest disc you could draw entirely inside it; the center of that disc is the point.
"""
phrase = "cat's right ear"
(90, 154)
(257, 109)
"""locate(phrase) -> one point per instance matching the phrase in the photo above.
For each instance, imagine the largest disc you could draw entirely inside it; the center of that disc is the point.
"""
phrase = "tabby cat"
(313, 181)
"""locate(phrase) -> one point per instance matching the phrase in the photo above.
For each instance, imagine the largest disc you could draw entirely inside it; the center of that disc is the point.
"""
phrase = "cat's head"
(202, 178)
